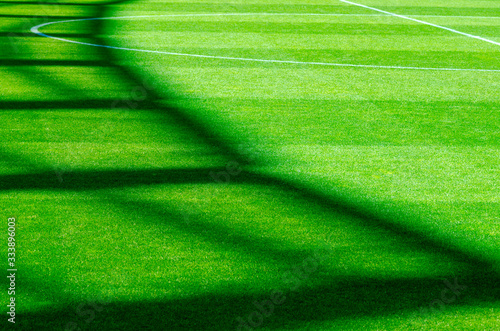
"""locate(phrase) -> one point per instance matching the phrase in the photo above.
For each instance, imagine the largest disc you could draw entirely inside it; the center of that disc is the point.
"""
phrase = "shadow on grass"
(104, 179)
(336, 301)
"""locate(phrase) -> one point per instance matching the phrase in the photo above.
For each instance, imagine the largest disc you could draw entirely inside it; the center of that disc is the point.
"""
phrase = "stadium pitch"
(252, 165)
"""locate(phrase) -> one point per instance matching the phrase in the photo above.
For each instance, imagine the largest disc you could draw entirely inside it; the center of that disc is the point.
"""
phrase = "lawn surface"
(174, 192)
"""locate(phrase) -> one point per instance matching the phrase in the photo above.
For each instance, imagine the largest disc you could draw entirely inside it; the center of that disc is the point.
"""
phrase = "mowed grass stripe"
(103, 139)
(428, 59)
(160, 7)
(312, 41)
(319, 83)
(371, 122)
(291, 27)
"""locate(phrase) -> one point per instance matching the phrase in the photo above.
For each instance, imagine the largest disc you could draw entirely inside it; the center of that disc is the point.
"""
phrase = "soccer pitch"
(251, 165)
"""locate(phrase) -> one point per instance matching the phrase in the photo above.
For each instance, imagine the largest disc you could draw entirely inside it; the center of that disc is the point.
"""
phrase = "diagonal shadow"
(368, 218)
(105, 179)
(78, 4)
(336, 301)
(179, 116)
(54, 17)
(49, 63)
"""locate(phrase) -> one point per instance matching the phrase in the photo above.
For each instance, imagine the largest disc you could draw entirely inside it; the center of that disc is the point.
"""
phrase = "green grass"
(369, 186)
(397, 135)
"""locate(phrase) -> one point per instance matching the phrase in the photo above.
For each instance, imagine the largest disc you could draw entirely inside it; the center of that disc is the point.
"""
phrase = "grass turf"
(427, 138)
(396, 169)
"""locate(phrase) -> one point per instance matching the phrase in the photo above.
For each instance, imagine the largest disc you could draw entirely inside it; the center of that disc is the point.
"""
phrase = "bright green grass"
(135, 245)
(432, 134)
(417, 148)
(422, 142)
(102, 139)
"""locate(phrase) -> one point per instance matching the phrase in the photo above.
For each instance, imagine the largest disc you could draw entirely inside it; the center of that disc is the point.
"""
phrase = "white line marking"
(450, 16)
(423, 22)
(36, 30)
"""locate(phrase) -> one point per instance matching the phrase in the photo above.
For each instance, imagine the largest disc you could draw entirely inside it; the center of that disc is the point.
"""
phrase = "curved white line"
(36, 30)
